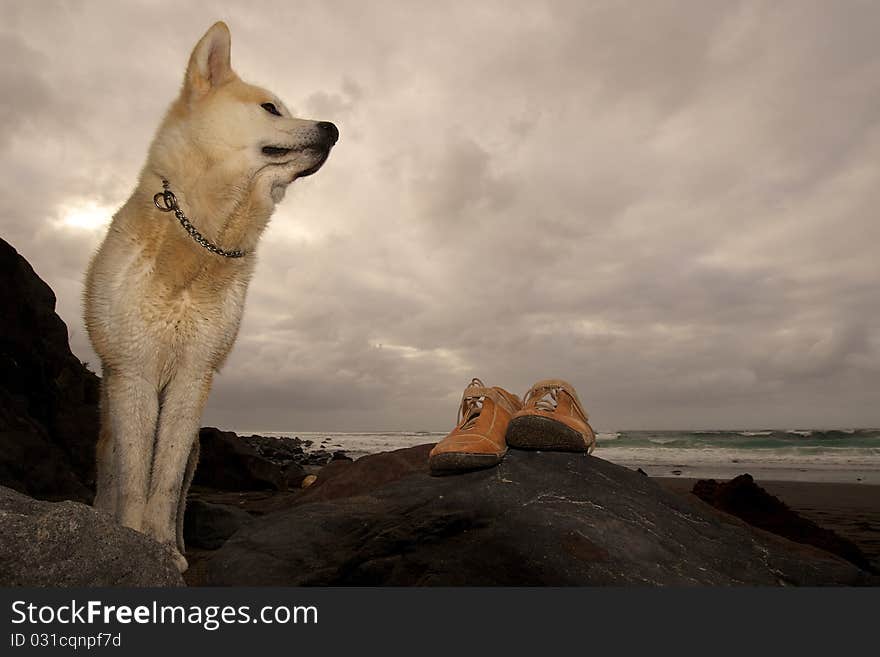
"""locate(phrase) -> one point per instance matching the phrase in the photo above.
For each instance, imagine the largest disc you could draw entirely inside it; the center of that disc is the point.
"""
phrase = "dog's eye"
(269, 107)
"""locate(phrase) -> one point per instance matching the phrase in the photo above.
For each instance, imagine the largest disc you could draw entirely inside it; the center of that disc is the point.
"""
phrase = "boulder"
(279, 449)
(342, 478)
(537, 519)
(207, 525)
(230, 462)
(284, 450)
(70, 544)
(31, 463)
(743, 498)
(243, 463)
(48, 398)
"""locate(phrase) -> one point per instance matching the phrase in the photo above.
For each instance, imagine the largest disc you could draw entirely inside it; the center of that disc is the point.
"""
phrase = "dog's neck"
(224, 207)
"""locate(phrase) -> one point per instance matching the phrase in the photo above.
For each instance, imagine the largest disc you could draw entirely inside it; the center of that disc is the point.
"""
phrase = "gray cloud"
(671, 204)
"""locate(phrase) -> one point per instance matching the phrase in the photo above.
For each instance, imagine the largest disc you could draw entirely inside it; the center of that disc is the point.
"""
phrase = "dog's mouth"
(314, 168)
(276, 151)
(282, 151)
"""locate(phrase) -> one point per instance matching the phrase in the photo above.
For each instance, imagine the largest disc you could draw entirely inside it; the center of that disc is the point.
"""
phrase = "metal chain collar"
(167, 202)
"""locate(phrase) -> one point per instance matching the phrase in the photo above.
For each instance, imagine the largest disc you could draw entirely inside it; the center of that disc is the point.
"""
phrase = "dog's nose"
(330, 130)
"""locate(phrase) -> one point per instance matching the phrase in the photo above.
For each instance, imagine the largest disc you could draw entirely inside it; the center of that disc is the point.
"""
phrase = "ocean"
(839, 455)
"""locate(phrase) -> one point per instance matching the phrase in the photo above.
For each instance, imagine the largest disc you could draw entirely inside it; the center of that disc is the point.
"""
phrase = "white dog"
(165, 292)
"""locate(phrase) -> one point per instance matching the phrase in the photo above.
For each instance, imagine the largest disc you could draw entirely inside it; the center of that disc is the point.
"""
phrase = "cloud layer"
(670, 204)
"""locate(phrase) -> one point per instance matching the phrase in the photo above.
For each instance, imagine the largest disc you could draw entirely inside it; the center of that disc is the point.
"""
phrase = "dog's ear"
(209, 63)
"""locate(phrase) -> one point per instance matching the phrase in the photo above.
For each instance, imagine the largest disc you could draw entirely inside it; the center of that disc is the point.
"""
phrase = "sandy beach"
(851, 510)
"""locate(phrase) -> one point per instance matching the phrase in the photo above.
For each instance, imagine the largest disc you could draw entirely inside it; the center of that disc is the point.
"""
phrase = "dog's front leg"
(132, 407)
(182, 405)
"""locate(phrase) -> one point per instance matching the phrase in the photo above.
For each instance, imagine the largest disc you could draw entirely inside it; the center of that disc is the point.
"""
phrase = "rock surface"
(208, 525)
(743, 498)
(48, 399)
(231, 462)
(70, 544)
(537, 519)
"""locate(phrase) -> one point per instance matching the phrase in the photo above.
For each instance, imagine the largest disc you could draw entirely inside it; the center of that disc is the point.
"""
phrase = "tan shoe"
(552, 419)
(478, 439)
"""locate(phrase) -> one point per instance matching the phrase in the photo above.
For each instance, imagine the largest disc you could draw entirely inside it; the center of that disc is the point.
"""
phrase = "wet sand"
(851, 510)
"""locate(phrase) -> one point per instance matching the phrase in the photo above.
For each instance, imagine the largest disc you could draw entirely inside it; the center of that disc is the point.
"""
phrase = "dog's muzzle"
(329, 137)
(325, 137)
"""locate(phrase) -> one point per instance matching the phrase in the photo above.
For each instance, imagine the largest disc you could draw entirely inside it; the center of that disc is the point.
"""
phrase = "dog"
(165, 291)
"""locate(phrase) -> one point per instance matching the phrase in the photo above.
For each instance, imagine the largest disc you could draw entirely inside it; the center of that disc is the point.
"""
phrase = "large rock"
(231, 462)
(342, 478)
(537, 519)
(207, 525)
(246, 463)
(743, 498)
(31, 463)
(48, 399)
(70, 544)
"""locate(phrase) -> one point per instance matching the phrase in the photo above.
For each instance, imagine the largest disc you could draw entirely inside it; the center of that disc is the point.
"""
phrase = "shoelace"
(545, 404)
(473, 399)
(542, 403)
(471, 405)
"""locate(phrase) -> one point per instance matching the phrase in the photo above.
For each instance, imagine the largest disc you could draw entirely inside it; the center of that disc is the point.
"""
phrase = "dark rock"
(743, 498)
(537, 519)
(340, 479)
(48, 399)
(641, 472)
(279, 449)
(208, 525)
(232, 462)
(229, 462)
(31, 463)
(70, 544)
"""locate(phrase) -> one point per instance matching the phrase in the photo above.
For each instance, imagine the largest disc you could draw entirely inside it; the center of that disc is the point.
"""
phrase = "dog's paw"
(179, 560)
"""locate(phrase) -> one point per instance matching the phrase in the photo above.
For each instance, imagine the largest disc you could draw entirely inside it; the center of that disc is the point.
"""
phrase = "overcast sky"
(673, 205)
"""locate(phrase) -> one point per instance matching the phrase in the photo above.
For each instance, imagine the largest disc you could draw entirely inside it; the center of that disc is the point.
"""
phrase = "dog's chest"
(198, 317)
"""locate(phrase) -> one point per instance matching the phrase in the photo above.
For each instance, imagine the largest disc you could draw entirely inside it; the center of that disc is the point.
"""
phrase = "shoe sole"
(452, 462)
(537, 432)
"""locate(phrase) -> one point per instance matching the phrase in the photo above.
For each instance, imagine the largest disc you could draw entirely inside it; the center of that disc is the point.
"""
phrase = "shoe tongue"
(557, 398)
(475, 397)
(547, 399)
(471, 407)
(471, 414)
